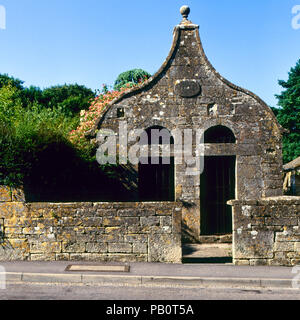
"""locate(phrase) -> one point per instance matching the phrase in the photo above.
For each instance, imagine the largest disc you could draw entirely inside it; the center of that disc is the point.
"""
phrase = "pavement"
(153, 274)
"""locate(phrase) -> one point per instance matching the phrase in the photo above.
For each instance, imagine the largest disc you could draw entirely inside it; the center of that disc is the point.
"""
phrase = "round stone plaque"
(187, 88)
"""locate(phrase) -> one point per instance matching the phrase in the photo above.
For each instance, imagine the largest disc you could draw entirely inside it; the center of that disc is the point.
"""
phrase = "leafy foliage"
(288, 114)
(5, 80)
(28, 125)
(24, 133)
(88, 119)
(70, 98)
(132, 76)
(43, 146)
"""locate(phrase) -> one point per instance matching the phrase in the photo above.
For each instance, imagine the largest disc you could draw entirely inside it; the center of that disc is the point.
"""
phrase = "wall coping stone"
(280, 200)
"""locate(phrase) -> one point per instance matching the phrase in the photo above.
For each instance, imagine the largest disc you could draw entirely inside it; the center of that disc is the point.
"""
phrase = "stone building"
(239, 192)
(242, 138)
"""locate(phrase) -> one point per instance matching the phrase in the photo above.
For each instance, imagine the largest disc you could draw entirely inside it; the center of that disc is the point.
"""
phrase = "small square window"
(120, 112)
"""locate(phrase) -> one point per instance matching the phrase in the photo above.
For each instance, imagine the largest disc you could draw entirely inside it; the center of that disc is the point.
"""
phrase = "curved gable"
(185, 75)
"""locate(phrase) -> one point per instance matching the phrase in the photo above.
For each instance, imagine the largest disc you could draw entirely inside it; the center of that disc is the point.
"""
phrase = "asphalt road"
(30, 291)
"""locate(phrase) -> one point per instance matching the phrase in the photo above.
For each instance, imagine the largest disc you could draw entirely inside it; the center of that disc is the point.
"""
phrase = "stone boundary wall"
(267, 231)
(121, 232)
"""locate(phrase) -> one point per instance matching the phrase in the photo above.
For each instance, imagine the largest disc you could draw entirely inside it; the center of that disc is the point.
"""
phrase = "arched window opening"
(219, 134)
(157, 135)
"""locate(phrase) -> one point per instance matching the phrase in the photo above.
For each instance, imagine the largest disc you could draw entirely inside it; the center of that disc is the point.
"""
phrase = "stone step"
(218, 250)
(226, 238)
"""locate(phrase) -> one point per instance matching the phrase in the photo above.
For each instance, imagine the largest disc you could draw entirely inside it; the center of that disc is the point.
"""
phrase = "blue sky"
(48, 42)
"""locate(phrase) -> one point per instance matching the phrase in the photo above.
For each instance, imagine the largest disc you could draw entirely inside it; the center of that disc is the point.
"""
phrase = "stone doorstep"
(217, 250)
(226, 238)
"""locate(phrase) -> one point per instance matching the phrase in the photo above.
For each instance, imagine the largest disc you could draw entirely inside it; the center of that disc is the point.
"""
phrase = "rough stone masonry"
(186, 93)
(126, 232)
(266, 231)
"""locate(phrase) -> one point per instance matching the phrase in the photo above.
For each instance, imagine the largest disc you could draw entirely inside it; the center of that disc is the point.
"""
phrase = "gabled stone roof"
(185, 24)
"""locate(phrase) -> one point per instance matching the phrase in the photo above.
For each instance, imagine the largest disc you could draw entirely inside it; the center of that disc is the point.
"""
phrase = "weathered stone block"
(62, 257)
(111, 238)
(281, 221)
(14, 249)
(286, 236)
(92, 221)
(96, 247)
(279, 262)
(105, 212)
(165, 248)
(12, 212)
(136, 238)
(18, 195)
(126, 257)
(258, 262)
(166, 221)
(140, 248)
(73, 247)
(297, 247)
(150, 221)
(164, 212)
(43, 257)
(112, 221)
(29, 231)
(45, 247)
(241, 262)
(119, 248)
(12, 232)
(115, 230)
(5, 194)
(253, 245)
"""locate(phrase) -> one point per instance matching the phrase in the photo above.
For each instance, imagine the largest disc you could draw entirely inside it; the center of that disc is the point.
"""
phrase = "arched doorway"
(156, 175)
(217, 185)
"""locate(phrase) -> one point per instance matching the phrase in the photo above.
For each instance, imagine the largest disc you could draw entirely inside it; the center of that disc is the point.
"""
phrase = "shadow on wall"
(187, 234)
(60, 175)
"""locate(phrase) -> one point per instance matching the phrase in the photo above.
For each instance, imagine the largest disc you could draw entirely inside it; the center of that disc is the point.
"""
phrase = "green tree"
(289, 113)
(32, 95)
(70, 98)
(5, 80)
(131, 76)
(16, 85)
(10, 103)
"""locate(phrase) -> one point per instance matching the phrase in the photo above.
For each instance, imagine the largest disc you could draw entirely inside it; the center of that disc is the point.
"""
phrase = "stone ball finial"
(185, 11)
